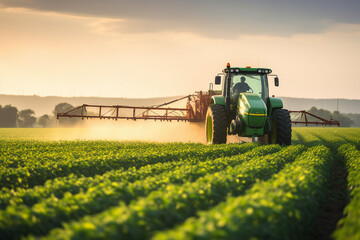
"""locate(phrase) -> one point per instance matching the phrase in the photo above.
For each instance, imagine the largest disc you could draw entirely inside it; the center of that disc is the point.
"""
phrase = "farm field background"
(145, 190)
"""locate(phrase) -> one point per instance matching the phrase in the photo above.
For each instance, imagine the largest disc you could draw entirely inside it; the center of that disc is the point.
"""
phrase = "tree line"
(11, 117)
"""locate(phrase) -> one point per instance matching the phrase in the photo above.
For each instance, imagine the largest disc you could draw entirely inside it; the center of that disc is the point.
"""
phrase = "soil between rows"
(335, 201)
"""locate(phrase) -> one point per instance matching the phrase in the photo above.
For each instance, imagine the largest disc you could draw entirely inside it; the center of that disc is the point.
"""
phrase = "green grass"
(139, 190)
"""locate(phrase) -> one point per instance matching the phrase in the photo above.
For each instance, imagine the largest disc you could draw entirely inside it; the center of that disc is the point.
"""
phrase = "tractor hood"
(252, 110)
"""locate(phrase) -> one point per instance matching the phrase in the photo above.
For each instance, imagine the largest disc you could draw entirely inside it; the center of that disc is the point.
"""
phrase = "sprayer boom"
(195, 110)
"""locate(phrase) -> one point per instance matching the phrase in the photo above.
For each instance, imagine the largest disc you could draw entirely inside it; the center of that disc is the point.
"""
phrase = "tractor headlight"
(231, 70)
(237, 70)
(259, 71)
(266, 71)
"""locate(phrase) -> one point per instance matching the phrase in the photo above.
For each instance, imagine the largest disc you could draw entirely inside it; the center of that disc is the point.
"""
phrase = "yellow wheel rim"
(209, 129)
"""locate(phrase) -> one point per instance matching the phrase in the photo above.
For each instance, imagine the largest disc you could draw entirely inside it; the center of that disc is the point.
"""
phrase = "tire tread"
(219, 123)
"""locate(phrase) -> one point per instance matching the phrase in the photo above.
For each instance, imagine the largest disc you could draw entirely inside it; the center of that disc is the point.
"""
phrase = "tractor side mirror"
(217, 80)
(276, 80)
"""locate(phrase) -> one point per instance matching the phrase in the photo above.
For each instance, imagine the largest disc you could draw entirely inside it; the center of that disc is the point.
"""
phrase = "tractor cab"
(250, 80)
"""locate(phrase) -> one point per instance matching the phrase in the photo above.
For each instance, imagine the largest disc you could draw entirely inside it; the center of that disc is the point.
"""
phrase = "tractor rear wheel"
(281, 127)
(215, 124)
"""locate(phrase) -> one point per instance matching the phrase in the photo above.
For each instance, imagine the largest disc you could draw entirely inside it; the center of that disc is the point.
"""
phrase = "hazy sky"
(129, 48)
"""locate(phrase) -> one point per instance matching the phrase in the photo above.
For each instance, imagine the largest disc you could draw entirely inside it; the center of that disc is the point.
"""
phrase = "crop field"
(145, 190)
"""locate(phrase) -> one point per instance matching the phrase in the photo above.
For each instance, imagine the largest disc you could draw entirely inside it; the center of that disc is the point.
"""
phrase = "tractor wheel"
(215, 124)
(281, 127)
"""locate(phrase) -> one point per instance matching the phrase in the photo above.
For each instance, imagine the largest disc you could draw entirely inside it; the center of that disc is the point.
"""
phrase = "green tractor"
(246, 109)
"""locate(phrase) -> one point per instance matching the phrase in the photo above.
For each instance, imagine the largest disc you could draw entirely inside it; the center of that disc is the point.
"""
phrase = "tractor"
(245, 108)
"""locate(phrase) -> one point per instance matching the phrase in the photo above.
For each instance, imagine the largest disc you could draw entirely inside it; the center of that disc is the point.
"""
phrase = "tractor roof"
(249, 70)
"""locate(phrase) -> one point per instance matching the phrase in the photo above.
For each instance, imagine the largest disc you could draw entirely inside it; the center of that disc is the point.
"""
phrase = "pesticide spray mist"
(129, 130)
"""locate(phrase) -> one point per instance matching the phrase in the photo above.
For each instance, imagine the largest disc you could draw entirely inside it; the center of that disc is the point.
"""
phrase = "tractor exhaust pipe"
(227, 98)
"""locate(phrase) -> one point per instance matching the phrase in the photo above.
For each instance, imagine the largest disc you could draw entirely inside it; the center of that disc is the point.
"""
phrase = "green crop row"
(51, 212)
(101, 161)
(17, 154)
(349, 226)
(31, 153)
(174, 203)
(74, 184)
(319, 136)
(282, 208)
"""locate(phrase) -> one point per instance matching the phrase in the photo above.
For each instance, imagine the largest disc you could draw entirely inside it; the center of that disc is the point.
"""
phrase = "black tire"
(281, 127)
(215, 124)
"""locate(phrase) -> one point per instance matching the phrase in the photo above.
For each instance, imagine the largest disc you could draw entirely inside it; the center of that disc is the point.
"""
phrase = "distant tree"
(26, 118)
(344, 121)
(44, 120)
(355, 117)
(320, 112)
(8, 116)
(62, 108)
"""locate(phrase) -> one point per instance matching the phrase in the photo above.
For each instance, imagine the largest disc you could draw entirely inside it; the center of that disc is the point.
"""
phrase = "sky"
(158, 48)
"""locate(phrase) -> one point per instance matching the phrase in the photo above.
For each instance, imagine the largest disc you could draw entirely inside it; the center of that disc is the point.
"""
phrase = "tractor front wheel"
(281, 127)
(215, 124)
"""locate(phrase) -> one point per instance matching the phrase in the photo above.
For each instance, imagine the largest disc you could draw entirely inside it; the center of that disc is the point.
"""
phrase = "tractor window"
(246, 83)
(253, 83)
